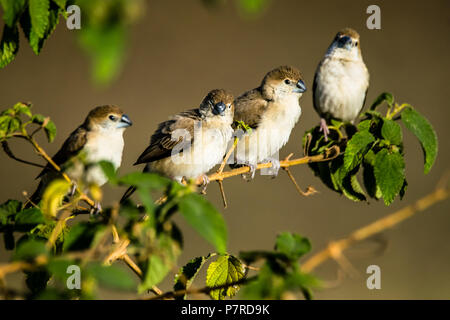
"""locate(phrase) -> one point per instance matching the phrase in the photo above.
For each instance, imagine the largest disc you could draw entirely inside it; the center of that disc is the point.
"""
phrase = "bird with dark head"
(192, 142)
(271, 110)
(341, 80)
(99, 137)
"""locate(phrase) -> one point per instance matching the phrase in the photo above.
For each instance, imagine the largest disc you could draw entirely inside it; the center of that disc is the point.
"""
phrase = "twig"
(334, 249)
(10, 154)
(309, 191)
(329, 154)
(220, 170)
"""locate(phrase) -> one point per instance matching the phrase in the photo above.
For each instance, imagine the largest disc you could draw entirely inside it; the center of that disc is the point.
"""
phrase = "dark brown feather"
(250, 107)
(161, 143)
(70, 148)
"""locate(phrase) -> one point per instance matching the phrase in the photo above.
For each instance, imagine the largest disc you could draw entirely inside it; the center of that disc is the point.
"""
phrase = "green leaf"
(30, 249)
(149, 181)
(9, 45)
(352, 189)
(12, 10)
(423, 130)
(356, 148)
(389, 174)
(39, 12)
(205, 219)
(22, 108)
(225, 270)
(111, 276)
(155, 272)
(29, 217)
(186, 275)
(109, 170)
(385, 96)
(364, 125)
(50, 130)
(82, 235)
(58, 268)
(38, 119)
(392, 131)
(292, 245)
(11, 206)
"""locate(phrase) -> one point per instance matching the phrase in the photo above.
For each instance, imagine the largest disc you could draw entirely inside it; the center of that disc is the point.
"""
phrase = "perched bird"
(100, 137)
(271, 111)
(191, 142)
(341, 80)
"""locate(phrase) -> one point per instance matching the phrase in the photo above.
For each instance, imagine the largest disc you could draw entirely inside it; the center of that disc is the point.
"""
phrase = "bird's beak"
(124, 122)
(219, 108)
(300, 87)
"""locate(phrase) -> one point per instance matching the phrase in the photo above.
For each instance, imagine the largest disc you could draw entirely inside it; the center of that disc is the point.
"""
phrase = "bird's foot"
(251, 174)
(324, 128)
(205, 183)
(73, 189)
(273, 171)
(96, 209)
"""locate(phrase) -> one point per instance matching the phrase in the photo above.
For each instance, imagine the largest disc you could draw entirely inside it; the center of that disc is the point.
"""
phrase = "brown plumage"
(99, 137)
(207, 133)
(271, 110)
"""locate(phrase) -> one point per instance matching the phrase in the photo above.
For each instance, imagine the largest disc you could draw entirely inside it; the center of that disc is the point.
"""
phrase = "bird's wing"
(250, 108)
(70, 148)
(162, 142)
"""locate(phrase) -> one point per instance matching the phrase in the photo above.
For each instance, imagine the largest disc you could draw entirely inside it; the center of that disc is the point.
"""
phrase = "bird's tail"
(127, 194)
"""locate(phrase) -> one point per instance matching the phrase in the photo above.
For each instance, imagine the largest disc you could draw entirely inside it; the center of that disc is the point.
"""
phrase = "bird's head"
(346, 44)
(107, 118)
(283, 81)
(218, 103)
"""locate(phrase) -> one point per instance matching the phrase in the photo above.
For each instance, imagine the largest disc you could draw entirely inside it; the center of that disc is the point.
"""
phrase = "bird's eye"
(356, 43)
(287, 81)
(112, 118)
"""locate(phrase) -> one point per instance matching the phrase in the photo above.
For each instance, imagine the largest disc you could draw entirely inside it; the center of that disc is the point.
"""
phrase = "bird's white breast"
(341, 87)
(273, 131)
(106, 145)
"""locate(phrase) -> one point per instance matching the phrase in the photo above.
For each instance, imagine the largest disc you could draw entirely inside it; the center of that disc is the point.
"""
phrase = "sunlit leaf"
(225, 270)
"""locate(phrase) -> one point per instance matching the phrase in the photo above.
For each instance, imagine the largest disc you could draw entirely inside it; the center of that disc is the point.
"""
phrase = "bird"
(192, 142)
(271, 111)
(99, 137)
(341, 80)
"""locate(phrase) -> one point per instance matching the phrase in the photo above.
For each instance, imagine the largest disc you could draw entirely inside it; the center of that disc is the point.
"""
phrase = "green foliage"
(187, 274)
(226, 270)
(372, 149)
(280, 273)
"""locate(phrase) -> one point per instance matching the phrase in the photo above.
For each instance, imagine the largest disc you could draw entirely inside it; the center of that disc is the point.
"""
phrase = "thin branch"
(329, 154)
(309, 191)
(10, 154)
(334, 249)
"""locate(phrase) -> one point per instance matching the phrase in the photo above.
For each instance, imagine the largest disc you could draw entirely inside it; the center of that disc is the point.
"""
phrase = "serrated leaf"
(389, 174)
(352, 189)
(364, 125)
(154, 273)
(225, 270)
(424, 131)
(12, 10)
(39, 12)
(205, 219)
(385, 96)
(356, 148)
(292, 245)
(187, 274)
(9, 45)
(111, 276)
(22, 108)
(392, 132)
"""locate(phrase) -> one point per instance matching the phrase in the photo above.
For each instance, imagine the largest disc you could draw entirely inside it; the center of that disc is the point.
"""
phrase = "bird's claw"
(251, 173)
(96, 209)
(324, 128)
(205, 183)
(73, 189)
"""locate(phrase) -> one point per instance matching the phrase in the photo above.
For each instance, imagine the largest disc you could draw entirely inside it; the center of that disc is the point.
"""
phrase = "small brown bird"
(341, 80)
(100, 137)
(271, 111)
(192, 142)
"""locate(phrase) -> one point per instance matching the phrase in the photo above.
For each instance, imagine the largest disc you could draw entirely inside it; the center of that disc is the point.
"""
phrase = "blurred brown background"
(181, 50)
